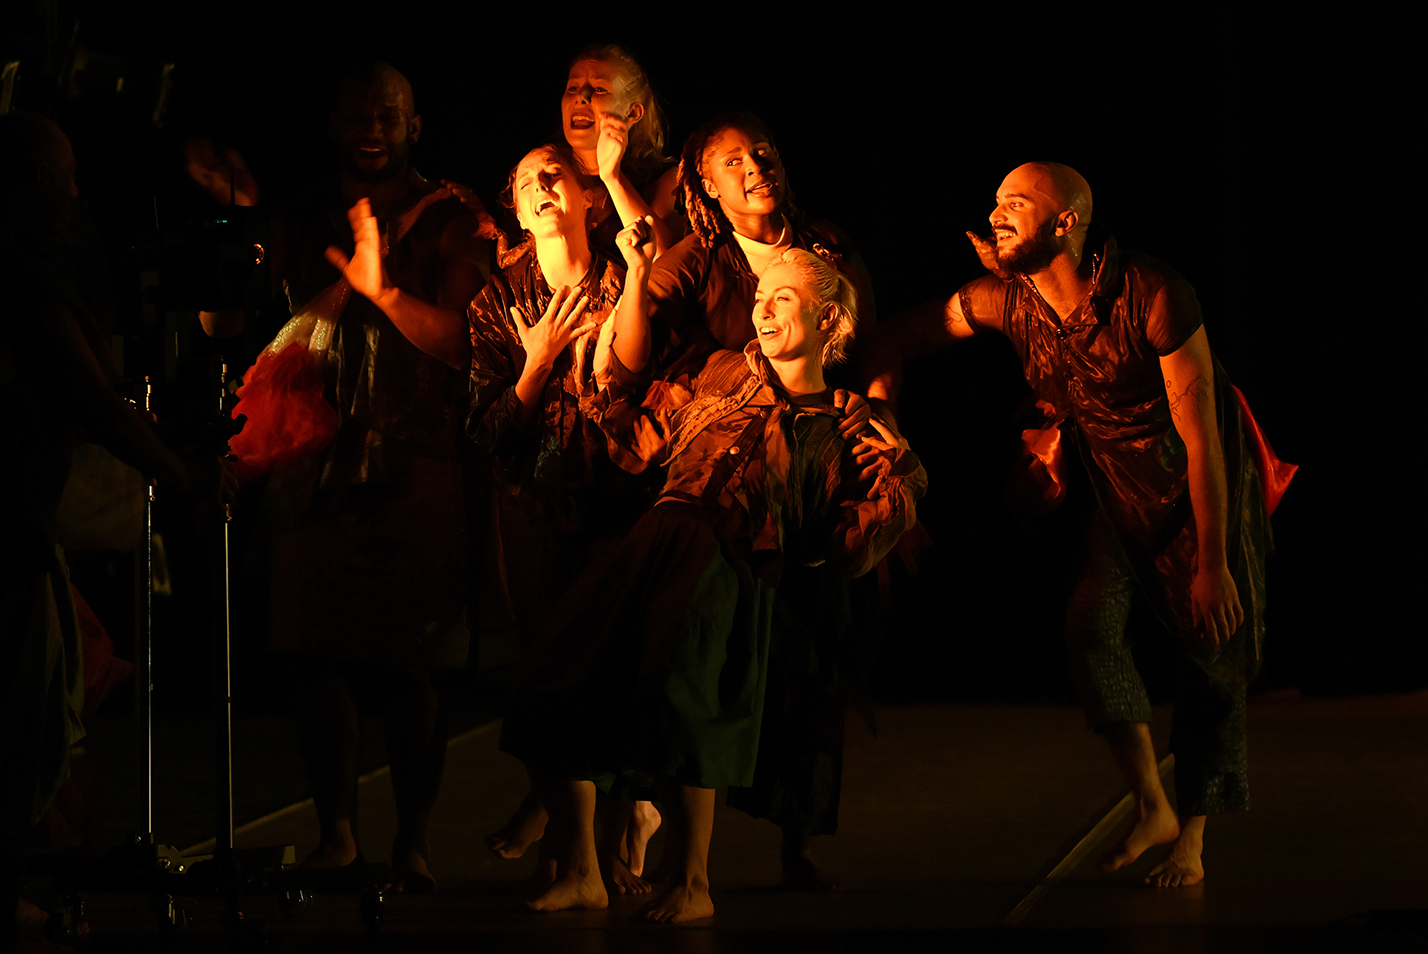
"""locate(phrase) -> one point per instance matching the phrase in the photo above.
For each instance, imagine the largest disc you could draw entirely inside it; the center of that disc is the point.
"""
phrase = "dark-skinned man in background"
(369, 578)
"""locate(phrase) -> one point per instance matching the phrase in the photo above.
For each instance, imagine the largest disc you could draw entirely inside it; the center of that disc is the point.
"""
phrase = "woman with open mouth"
(612, 121)
(653, 666)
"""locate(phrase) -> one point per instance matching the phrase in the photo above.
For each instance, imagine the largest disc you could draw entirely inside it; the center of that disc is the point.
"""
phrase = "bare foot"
(643, 825)
(573, 890)
(1156, 824)
(1183, 867)
(541, 878)
(679, 903)
(624, 881)
(525, 828)
(410, 872)
(330, 856)
(800, 873)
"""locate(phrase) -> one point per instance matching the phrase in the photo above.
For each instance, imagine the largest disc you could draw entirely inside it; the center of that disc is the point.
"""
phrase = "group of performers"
(680, 494)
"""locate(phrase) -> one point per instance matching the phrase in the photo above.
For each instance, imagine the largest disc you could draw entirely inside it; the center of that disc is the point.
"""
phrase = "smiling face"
(742, 173)
(374, 126)
(788, 316)
(548, 198)
(1025, 220)
(594, 87)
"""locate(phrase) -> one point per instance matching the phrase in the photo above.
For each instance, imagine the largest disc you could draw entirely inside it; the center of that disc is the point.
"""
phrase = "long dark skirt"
(653, 664)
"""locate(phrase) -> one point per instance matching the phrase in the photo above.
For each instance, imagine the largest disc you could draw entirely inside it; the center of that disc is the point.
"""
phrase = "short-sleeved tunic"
(1099, 368)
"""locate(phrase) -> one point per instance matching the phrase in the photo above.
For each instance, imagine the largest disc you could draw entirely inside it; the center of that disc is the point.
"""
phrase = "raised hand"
(614, 138)
(364, 271)
(227, 179)
(486, 226)
(557, 328)
(987, 253)
(637, 243)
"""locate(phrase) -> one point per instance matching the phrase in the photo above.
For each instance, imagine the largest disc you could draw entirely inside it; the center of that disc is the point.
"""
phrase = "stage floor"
(956, 826)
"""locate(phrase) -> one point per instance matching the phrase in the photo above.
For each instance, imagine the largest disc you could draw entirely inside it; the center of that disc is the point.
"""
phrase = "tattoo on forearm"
(1196, 392)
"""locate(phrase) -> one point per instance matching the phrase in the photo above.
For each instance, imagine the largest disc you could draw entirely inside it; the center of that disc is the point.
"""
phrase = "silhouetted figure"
(369, 571)
(58, 389)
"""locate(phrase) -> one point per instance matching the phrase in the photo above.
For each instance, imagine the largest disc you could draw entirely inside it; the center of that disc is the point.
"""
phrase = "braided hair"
(706, 219)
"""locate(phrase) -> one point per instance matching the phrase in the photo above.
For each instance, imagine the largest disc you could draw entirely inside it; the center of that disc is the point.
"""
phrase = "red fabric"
(288, 417)
(102, 671)
(1274, 473)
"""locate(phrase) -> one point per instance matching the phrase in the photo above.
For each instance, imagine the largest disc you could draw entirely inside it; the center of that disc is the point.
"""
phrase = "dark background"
(1264, 160)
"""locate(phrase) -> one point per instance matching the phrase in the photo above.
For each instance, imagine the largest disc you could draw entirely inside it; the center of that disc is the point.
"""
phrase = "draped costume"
(372, 565)
(1099, 369)
(655, 662)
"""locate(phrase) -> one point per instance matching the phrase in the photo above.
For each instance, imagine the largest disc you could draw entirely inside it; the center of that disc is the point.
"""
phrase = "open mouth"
(581, 121)
(543, 206)
(762, 189)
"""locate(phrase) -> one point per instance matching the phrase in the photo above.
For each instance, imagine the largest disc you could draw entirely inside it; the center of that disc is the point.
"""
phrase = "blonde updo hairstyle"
(830, 286)
(644, 155)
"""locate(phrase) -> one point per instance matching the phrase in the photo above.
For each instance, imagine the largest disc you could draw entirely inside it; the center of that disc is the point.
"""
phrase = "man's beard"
(1032, 254)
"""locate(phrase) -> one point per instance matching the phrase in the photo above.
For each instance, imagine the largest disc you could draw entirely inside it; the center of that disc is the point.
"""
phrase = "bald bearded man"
(1115, 345)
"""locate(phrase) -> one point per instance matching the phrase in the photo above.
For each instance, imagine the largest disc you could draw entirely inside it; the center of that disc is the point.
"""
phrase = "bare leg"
(1183, 867)
(644, 822)
(523, 829)
(416, 740)
(800, 870)
(1155, 821)
(690, 812)
(329, 732)
(616, 820)
(571, 832)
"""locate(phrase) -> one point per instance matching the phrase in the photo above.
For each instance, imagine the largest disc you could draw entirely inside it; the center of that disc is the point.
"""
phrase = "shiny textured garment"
(1100, 370)
(656, 662)
(374, 567)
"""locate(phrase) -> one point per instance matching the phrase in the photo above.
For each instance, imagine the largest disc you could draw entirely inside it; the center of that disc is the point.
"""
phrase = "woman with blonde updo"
(652, 668)
(612, 121)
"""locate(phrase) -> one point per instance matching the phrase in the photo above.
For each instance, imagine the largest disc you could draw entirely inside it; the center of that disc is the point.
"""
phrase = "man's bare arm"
(919, 331)
(441, 332)
(1190, 388)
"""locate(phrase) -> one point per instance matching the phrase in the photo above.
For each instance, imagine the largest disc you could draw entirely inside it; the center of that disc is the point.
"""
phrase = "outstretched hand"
(364, 271)
(485, 225)
(558, 327)
(1215, 605)
(637, 243)
(987, 253)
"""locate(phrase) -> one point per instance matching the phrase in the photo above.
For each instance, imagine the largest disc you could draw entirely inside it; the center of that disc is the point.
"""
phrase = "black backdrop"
(1254, 154)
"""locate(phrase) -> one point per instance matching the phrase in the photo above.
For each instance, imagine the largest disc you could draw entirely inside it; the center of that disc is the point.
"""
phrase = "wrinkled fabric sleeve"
(863, 529)
(615, 407)
(1173, 316)
(674, 283)
(984, 303)
(494, 419)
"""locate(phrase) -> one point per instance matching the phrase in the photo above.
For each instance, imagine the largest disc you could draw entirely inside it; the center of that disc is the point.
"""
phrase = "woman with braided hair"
(736, 195)
(652, 668)
(741, 211)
